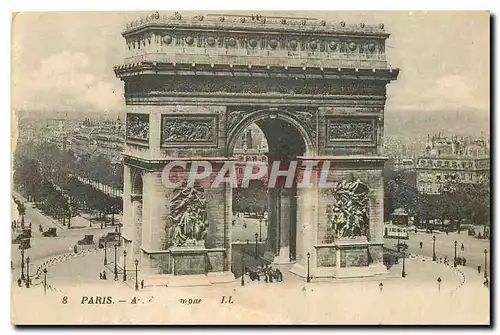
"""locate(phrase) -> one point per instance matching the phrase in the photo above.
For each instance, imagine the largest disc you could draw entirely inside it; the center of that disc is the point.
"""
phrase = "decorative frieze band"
(250, 85)
(313, 44)
(189, 130)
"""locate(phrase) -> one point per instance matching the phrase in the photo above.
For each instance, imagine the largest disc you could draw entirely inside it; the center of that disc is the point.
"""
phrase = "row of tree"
(100, 169)
(458, 203)
(48, 176)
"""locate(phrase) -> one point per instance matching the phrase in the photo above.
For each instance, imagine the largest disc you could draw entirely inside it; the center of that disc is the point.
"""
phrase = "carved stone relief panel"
(344, 131)
(187, 221)
(189, 130)
(361, 130)
(138, 127)
(348, 213)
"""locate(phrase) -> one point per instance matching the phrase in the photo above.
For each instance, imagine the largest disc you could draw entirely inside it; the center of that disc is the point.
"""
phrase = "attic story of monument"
(317, 90)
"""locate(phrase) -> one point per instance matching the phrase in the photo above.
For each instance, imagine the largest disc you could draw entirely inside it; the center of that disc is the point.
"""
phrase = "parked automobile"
(110, 239)
(87, 240)
(51, 232)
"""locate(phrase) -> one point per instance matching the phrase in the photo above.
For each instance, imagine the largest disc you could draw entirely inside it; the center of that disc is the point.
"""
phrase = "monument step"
(189, 280)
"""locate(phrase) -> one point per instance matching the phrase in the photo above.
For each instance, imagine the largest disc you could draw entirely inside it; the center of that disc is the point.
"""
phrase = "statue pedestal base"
(345, 258)
(189, 260)
(192, 265)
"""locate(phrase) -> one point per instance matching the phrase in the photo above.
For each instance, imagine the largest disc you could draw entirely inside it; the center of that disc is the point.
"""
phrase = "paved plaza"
(461, 296)
(473, 247)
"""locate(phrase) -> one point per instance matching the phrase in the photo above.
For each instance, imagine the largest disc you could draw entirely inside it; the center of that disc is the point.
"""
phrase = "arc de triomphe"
(317, 90)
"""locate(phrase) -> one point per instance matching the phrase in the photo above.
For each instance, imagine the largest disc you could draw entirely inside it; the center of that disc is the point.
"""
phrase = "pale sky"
(64, 61)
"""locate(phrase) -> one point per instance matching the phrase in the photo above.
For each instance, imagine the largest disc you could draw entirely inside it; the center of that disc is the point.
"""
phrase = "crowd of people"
(265, 273)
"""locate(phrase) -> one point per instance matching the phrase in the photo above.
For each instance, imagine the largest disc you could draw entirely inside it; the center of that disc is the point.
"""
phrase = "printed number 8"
(65, 300)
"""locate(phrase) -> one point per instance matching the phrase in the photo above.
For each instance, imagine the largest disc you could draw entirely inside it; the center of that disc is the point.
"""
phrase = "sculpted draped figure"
(349, 213)
(188, 219)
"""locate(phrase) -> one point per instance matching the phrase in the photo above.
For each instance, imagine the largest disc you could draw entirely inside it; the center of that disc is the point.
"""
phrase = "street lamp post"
(136, 262)
(260, 230)
(256, 246)
(90, 213)
(22, 264)
(119, 234)
(28, 272)
(439, 280)
(105, 252)
(242, 270)
(124, 265)
(403, 272)
(308, 273)
(485, 263)
(455, 258)
(69, 213)
(116, 269)
(45, 280)
(434, 248)
(398, 241)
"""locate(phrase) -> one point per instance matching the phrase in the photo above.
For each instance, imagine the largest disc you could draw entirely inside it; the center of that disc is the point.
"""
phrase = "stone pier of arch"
(190, 93)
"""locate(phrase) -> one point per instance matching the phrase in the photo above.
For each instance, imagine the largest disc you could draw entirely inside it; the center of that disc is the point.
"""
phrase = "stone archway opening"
(269, 210)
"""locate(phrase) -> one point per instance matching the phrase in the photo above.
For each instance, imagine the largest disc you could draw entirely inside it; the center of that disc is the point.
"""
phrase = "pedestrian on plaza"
(101, 225)
(30, 225)
(479, 269)
(421, 244)
(100, 275)
(486, 282)
(445, 261)
(463, 261)
(19, 282)
(142, 284)
(75, 249)
(279, 275)
(462, 247)
(104, 275)
(447, 233)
